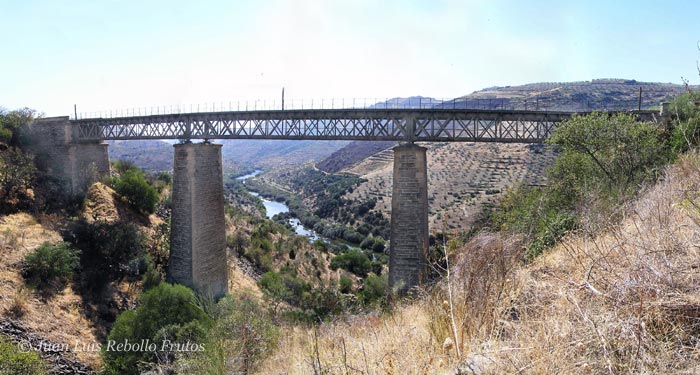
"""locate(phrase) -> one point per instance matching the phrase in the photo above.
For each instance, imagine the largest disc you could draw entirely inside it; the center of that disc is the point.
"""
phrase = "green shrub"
(685, 114)
(165, 310)
(123, 166)
(134, 188)
(615, 153)
(353, 261)
(345, 284)
(16, 362)
(166, 177)
(374, 289)
(379, 245)
(51, 263)
(152, 277)
(367, 243)
(11, 123)
(242, 336)
(107, 249)
(603, 160)
(284, 286)
(17, 175)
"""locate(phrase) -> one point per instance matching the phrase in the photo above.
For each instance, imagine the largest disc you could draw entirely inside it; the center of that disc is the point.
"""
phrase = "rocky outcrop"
(59, 357)
(100, 204)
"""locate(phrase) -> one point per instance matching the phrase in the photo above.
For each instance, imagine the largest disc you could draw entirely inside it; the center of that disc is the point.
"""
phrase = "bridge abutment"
(74, 164)
(409, 218)
(198, 226)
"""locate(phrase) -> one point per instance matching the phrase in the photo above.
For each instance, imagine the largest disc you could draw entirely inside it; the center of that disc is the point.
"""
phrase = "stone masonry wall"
(198, 229)
(74, 164)
(409, 218)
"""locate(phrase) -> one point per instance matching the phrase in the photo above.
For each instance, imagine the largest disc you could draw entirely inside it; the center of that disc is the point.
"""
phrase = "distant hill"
(238, 156)
(465, 177)
(409, 102)
(598, 94)
(154, 156)
(274, 154)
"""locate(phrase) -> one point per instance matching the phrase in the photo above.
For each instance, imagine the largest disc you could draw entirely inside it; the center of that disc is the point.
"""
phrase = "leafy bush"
(16, 362)
(685, 114)
(134, 188)
(242, 336)
(284, 286)
(374, 289)
(164, 311)
(51, 263)
(603, 160)
(106, 250)
(11, 123)
(17, 175)
(616, 153)
(152, 277)
(123, 166)
(353, 261)
(345, 284)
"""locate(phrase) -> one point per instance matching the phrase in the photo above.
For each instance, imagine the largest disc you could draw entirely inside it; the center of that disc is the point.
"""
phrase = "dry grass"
(60, 318)
(400, 343)
(624, 302)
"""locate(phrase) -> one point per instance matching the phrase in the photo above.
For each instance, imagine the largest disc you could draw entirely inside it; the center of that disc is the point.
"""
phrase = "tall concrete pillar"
(409, 218)
(198, 229)
(58, 151)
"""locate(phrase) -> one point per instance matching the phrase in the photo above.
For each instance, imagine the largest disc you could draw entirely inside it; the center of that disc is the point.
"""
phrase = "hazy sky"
(117, 54)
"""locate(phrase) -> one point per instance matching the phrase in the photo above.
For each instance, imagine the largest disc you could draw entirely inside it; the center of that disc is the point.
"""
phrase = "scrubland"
(625, 300)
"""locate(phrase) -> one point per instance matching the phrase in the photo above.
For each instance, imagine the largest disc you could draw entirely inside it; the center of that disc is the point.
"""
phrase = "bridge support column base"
(409, 219)
(198, 226)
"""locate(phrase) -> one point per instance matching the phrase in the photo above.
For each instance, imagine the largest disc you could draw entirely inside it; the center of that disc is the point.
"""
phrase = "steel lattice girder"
(439, 125)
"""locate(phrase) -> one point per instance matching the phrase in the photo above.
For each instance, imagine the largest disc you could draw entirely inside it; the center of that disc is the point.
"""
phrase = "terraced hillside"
(598, 94)
(463, 178)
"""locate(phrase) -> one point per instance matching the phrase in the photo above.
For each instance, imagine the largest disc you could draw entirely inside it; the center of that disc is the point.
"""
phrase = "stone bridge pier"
(198, 225)
(409, 218)
(74, 164)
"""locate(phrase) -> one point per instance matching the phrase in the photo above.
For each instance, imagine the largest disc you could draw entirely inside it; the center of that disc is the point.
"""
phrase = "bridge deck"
(436, 125)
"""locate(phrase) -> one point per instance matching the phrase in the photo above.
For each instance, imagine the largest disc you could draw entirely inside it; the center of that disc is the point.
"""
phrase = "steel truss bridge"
(409, 125)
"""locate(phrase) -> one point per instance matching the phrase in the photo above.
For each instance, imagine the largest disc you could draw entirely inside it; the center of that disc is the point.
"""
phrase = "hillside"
(466, 177)
(351, 154)
(462, 178)
(274, 154)
(624, 301)
(598, 94)
(239, 156)
(154, 156)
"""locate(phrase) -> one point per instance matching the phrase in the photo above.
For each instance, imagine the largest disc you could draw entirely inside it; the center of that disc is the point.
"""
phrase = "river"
(273, 208)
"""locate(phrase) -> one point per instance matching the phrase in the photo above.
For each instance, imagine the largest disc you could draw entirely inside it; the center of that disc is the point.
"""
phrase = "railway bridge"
(76, 154)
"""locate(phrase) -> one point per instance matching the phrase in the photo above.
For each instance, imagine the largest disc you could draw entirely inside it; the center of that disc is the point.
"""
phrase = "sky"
(104, 55)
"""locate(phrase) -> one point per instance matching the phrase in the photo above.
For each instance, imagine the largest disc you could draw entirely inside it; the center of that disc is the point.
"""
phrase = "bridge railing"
(361, 103)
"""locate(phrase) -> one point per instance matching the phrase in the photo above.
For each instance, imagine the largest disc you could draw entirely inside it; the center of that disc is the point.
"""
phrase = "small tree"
(614, 152)
(133, 187)
(11, 123)
(17, 174)
(167, 307)
(354, 261)
(685, 114)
